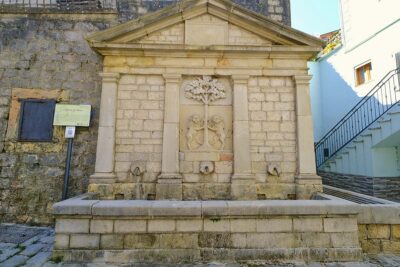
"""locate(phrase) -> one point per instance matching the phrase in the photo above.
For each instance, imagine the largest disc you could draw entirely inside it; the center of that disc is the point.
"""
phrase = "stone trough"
(135, 231)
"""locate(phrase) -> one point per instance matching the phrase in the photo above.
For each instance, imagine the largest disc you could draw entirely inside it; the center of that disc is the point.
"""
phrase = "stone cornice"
(169, 50)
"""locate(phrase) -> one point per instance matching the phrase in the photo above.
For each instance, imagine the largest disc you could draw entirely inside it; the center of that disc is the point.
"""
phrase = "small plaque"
(70, 132)
(72, 115)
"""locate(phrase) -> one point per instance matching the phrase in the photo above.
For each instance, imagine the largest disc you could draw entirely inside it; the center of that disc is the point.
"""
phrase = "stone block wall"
(381, 187)
(48, 51)
(205, 240)
(379, 238)
(139, 134)
(278, 10)
(273, 135)
(137, 231)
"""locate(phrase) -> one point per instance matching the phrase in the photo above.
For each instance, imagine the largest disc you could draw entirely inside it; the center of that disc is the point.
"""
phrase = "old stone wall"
(382, 187)
(48, 51)
(206, 231)
(278, 10)
(45, 53)
(379, 238)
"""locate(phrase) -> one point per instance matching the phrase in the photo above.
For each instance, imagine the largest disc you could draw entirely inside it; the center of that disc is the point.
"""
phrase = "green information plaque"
(72, 115)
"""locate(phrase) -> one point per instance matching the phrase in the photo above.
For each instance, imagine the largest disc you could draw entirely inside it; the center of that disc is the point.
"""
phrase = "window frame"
(367, 73)
(61, 96)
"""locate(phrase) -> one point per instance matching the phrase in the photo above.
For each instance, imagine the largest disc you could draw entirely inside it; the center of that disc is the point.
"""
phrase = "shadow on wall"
(332, 97)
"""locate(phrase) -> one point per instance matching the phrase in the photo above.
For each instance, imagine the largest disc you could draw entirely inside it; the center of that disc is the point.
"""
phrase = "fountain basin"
(128, 231)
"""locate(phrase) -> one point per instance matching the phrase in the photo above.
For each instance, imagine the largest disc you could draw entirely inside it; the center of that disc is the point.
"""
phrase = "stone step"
(375, 128)
(384, 121)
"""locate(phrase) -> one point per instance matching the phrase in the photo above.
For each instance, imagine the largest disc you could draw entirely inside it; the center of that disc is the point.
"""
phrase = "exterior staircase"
(366, 141)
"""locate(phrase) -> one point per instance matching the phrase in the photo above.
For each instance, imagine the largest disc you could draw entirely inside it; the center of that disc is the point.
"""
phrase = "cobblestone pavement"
(25, 246)
(32, 246)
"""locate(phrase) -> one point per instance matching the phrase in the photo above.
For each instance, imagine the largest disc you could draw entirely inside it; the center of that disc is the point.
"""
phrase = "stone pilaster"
(307, 181)
(169, 184)
(243, 181)
(104, 168)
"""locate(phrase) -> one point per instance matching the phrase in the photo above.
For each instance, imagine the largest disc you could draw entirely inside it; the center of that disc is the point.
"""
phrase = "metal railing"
(57, 5)
(378, 101)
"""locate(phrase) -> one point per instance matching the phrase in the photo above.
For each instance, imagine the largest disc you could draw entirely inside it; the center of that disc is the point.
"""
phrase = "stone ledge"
(386, 213)
(207, 255)
(145, 208)
(80, 205)
(379, 214)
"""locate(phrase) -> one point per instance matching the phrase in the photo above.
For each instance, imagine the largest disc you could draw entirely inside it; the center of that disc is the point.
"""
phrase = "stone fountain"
(205, 141)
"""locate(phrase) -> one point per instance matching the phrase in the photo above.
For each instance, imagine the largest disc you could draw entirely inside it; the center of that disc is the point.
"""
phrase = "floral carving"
(205, 89)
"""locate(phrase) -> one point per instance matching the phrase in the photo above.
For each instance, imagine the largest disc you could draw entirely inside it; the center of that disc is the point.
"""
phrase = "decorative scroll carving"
(206, 90)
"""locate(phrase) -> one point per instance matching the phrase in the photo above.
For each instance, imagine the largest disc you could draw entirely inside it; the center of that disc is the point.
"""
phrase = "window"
(363, 74)
(36, 120)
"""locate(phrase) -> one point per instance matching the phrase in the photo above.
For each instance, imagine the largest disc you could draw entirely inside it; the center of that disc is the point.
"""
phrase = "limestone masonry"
(204, 103)
(45, 55)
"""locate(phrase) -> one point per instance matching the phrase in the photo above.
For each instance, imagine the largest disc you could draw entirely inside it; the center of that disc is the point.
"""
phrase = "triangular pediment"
(202, 30)
(204, 23)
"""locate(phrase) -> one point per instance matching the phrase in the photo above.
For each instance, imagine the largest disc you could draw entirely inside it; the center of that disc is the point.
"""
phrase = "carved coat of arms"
(205, 90)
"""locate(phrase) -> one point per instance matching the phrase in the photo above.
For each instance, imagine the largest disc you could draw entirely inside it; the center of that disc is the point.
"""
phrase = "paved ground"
(32, 246)
(21, 245)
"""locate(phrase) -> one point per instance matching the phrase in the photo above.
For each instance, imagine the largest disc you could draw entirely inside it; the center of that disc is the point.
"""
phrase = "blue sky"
(315, 16)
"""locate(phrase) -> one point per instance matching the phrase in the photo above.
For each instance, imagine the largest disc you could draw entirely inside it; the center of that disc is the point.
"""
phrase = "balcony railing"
(57, 5)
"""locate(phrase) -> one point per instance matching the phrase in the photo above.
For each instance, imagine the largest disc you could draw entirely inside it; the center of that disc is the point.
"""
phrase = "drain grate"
(353, 197)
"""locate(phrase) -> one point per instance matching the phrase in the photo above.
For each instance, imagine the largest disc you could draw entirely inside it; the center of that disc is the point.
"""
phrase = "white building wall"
(362, 18)
(334, 83)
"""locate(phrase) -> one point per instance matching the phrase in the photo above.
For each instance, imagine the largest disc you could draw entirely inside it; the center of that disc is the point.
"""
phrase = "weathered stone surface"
(340, 225)
(42, 59)
(276, 9)
(378, 231)
(84, 241)
(215, 240)
(61, 241)
(111, 241)
(395, 231)
(129, 226)
(72, 226)
(179, 241)
(274, 225)
(307, 225)
(141, 241)
(101, 226)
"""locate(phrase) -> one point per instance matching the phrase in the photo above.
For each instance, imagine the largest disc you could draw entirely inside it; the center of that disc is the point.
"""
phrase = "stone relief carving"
(205, 90)
(196, 123)
(217, 125)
